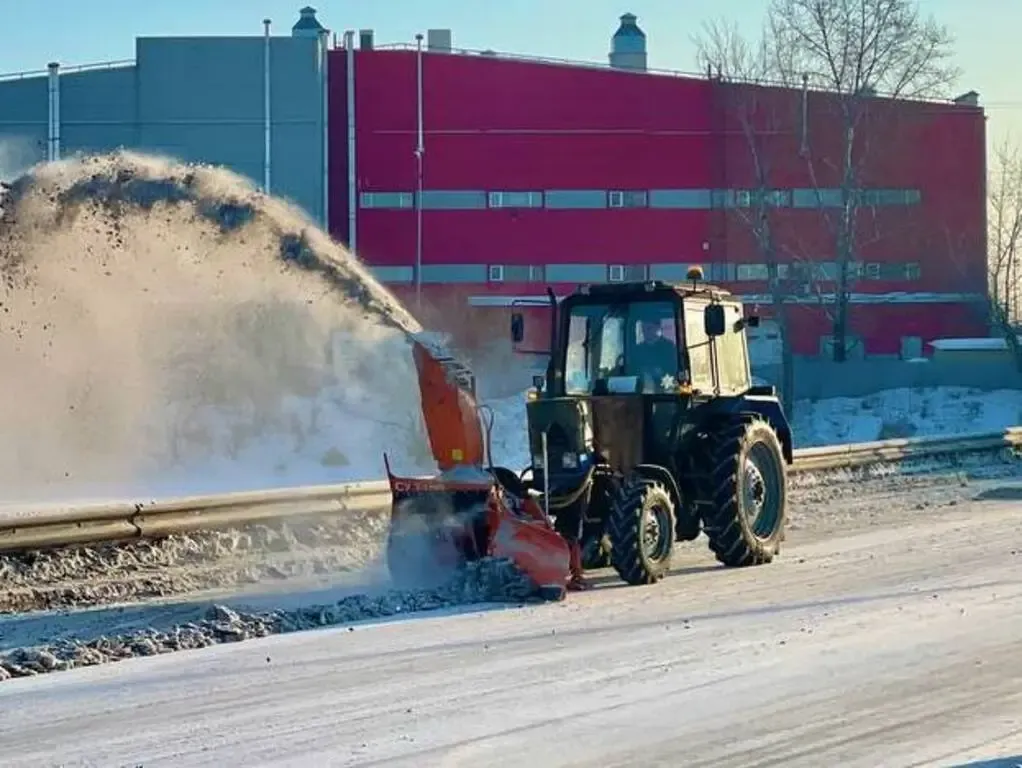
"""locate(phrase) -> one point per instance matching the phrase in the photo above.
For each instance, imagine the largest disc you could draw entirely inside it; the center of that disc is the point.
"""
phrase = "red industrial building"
(538, 173)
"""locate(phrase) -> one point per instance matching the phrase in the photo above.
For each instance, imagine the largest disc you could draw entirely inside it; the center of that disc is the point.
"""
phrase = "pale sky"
(33, 32)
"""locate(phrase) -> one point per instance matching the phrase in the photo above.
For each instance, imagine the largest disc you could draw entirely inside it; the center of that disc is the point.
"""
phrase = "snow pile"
(898, 413)
(488, 580)
(188, 563)
(510, 436)
(168, 328)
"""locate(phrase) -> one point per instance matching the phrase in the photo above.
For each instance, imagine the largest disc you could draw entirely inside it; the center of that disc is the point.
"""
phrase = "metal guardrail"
(28, 528)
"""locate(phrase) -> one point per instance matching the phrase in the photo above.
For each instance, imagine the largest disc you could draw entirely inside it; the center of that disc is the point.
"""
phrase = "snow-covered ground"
(897, 413)
(890, 646)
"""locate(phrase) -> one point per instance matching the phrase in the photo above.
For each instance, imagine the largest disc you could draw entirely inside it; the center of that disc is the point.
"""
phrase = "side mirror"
(538, 380)
(517, 327)
(714, 322)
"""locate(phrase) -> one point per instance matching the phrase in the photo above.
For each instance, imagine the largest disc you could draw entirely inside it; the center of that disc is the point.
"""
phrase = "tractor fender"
(770, 409)
(764, 406)
(662, 475)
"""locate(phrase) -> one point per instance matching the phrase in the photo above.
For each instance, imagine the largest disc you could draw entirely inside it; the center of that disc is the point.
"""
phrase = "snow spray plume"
(162, 320)
(15, 156)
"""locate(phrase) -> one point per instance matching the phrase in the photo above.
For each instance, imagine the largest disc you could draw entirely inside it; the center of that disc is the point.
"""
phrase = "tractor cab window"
(624, 348)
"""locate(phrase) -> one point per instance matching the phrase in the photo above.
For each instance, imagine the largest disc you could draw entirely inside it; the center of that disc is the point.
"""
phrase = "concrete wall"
(819, 379)
(193, 99)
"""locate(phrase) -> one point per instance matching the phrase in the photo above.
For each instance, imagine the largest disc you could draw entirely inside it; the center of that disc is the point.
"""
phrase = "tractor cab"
(646, 338)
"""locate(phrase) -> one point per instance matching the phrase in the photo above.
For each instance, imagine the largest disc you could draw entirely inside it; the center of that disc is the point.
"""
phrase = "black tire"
(688, 526)
(639, 504)
(745, 519)
(595, 553)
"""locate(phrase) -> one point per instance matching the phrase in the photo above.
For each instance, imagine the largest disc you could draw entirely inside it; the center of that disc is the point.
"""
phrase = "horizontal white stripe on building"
(597, 199)
(750, 299)
(805, 274)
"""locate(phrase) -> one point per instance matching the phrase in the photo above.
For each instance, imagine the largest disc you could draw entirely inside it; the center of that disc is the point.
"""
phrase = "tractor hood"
(568, 429)
(577, 428)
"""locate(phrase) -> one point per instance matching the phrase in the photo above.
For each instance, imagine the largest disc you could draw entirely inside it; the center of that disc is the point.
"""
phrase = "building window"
(626, 273)
(671, 273)
(816, 198)
(631, 198)
(751, 272)
(881, 197)
(893, 272)
(523, 273)
(454, 273)
(775, 198)
(576, 198)
(720, 273)
(386, 200)
(576, 273)
(496, 273)
(693, 199)
(516, 199)
(731, 198)
(453, 200)
(827, 270)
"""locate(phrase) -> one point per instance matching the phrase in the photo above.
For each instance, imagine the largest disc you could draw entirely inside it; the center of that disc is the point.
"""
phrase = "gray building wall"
(817, 379)
(192, 99)
(97, 109)
(24, 113)
(821, 379)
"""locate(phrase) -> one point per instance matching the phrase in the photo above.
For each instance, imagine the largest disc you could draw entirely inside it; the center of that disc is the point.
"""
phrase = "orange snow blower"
(472, 509)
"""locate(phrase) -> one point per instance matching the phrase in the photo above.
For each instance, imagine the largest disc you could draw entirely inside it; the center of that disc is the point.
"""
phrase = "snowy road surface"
(883, 647)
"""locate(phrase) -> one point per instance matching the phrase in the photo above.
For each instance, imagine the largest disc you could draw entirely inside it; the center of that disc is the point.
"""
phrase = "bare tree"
(856, 49)
(737, 64)
(1004, 243)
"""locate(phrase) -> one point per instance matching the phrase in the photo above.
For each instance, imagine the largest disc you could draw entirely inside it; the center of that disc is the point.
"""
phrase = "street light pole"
(420, 151)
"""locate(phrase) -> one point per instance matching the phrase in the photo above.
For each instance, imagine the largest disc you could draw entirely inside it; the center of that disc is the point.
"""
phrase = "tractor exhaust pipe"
(553, 340)
(546, 476)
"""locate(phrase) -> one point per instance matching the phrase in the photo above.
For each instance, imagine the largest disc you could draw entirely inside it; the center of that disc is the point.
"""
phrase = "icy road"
(892, 646)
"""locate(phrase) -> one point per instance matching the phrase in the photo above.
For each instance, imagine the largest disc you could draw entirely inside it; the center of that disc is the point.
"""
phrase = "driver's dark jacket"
(656, 358)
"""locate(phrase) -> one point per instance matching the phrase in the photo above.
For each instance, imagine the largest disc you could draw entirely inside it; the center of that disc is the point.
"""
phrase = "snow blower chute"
(471, 510)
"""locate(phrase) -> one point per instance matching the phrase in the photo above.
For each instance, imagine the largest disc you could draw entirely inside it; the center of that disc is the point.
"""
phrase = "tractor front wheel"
(641, 528)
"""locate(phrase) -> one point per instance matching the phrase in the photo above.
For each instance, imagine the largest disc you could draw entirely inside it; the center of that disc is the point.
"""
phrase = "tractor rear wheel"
(641, 528)
(745, 519)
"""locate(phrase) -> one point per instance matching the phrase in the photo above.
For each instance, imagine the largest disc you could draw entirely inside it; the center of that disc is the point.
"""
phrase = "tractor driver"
(655, 356)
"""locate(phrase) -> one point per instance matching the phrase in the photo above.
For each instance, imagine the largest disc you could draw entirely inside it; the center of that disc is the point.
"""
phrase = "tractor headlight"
(569, 461)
